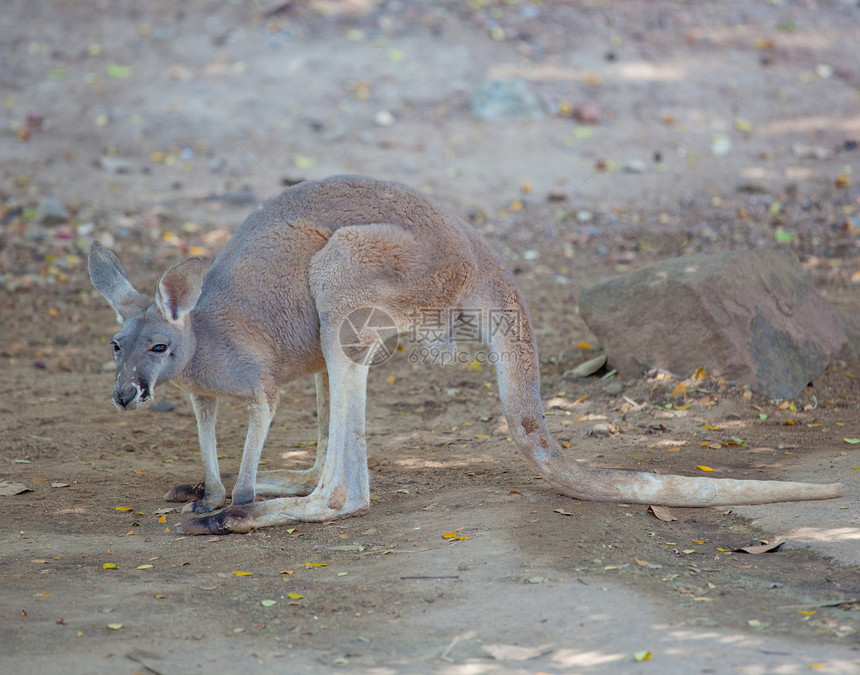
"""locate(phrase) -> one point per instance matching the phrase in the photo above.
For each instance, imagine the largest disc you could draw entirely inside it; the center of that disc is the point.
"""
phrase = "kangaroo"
(272, 308)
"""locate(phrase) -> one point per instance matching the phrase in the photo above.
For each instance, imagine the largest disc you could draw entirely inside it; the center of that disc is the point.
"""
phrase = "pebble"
(505, 99)
(635, 166)
(587, 113)
(128, 447)
(383, 119)
(614, 388)
(51, 211)
(115, 165)
(819, 152)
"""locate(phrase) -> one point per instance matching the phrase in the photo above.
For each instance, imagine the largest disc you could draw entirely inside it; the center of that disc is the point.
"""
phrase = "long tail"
(513, 344)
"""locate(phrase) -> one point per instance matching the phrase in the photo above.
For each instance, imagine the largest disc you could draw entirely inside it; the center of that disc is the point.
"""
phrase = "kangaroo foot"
(232, 519)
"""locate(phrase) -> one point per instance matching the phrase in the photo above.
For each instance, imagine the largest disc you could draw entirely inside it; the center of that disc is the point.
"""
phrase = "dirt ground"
(667, 128)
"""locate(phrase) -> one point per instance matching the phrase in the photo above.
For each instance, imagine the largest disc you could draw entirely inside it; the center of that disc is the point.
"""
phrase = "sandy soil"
(158, 126)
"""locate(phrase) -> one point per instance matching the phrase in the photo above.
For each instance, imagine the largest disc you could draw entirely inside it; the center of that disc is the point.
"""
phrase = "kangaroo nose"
(123, 398)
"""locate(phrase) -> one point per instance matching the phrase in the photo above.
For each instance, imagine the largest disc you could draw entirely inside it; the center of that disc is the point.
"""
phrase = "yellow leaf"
(704, 468)
(790, 423)
(817, 666)
(686, 406)
(114, 626)
(295, 596)
(481, 436)
(680, 390)
(807, 613)
(642, 656)
(123, 508)
(197, 250)
(109, 566)
(475, 366)
(242, 574)
(144, 567)
(391, 379)
(287, 571)
(699, 541)
(584, 345)
(700, 373)
(707, 426)
(311, 564)
(462, 536)
(674, 450)
(162, 519)
(304, 162)
(449, 535)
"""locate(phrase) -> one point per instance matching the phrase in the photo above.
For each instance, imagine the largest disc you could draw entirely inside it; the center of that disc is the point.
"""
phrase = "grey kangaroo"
(271, 309)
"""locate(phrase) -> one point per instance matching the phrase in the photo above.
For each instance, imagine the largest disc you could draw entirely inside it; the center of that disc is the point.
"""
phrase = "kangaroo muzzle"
(131, 395)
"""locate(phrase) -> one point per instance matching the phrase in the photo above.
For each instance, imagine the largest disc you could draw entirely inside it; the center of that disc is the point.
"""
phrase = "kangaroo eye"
(115, 345)
(159, 349)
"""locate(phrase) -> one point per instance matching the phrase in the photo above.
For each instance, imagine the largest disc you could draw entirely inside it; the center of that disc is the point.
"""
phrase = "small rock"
(635, 166)
(603, 429)
(51, 211)
(531, 255)
(584, 216)
(819, 152)
(383, 119)
(614, 388)
(556, 194)
(505, 99)
(721, 145)
(162, 406)
(587, 113)
(128, 447)
(217, 164)
(115, 165)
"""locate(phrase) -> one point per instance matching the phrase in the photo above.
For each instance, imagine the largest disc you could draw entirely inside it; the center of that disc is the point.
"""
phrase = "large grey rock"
(752, 317)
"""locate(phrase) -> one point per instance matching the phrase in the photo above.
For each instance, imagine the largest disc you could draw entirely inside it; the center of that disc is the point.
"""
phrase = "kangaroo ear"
(111, 281)
(178, 289)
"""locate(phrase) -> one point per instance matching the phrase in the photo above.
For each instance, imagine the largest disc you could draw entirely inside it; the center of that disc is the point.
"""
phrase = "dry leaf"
(242, 574)
(662, 513)
(516, 652)
(763, 548)
(563, 512)
(8, 489)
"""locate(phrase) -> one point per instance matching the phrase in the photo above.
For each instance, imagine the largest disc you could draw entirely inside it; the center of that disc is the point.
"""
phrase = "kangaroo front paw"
(231, 519)
(185, 493)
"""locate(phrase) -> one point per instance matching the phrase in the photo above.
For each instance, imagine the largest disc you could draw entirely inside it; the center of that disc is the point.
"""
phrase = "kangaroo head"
(156, 341)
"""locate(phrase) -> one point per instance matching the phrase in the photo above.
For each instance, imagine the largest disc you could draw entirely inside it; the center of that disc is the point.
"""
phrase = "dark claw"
(185, 493)
(231, 519)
